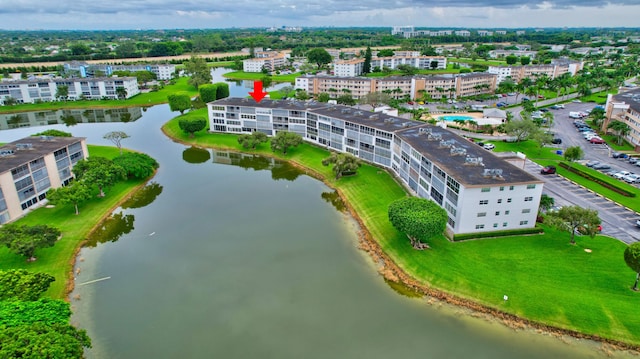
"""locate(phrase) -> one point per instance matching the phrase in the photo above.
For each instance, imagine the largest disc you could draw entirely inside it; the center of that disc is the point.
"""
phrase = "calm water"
(234, 256)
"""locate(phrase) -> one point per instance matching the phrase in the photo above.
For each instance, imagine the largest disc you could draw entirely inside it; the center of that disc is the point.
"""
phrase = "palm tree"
(121, 93)
(621, 128)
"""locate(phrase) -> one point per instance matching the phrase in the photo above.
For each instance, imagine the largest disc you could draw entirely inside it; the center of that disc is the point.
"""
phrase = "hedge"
(510, 232)
(597, 180)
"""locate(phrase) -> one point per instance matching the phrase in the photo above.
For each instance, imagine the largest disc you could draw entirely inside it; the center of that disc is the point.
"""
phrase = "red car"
(597, 140)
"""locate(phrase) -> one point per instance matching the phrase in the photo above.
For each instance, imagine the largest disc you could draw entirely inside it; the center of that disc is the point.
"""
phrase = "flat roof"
(456, 165)
(35, 147)
(631, 97)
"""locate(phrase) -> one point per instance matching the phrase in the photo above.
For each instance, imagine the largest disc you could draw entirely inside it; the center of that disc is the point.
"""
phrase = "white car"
(631, 178)
(489, 146)
(621, 174)
(589, 135)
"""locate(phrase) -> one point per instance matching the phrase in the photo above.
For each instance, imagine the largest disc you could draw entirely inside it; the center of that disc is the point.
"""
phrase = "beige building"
(269, 60)
(29, 167)
(355, 67)
(553, 70)
(625, 107)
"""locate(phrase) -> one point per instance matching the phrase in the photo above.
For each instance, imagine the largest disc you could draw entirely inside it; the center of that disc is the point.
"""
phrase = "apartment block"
(480, 191)
(30, 91)
(625, 107)
(355, 67)
(29, 167)
(267, 60)
(83, 69)
(553, 70)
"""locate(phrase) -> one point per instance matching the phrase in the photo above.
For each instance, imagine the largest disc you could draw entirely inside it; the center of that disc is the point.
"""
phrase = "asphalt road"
(617, 221)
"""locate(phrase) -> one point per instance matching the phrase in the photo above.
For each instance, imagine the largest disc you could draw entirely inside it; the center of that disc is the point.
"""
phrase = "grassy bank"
(57, 260)
(547, 279)
(143, 99)
(241, 75)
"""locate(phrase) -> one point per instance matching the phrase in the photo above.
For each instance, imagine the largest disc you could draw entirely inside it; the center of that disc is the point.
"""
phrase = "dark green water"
(231, 256)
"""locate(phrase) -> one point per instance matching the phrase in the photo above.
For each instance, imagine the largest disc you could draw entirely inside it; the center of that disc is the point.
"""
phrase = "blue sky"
(182, 14)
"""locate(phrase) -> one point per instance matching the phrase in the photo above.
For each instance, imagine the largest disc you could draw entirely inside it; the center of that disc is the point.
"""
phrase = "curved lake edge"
(71, 279)
(393, 272)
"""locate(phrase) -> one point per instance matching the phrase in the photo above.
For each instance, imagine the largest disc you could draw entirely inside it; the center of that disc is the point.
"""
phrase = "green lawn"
(547, 279)
(241, 75)
(57, 259)
(143, 99)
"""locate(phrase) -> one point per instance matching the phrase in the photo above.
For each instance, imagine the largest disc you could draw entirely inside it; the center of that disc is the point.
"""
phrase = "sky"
(188, 14)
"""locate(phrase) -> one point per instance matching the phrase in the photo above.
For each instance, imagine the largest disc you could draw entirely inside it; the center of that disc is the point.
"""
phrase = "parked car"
(601, 166)
(576, 101)
(611, 172)
(632, 178)
(597, 140)
(548, 170)
(621, 174)
(638, 223)
(633, 160)
(592, 163)
(557, 141)
(615, 155)
(489, 146)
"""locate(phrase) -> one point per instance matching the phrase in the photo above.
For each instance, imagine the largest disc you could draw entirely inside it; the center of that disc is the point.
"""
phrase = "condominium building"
(268, 60)
(479, 191)
(437, 86)
(29, 167)
(625, 107)
(31, 91)
(355, 67)
(496, 54)
(553, 70)
(83, 69)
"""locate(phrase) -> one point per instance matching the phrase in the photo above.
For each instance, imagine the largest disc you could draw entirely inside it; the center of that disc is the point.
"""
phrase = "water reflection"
(279, 169)
(335, 200)
(196, 155)
(69, 117)
(112, 229)
(144, 196)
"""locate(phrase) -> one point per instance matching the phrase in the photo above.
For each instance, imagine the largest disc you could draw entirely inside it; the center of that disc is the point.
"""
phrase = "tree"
(511, 59)
(197, 68)
(546, 202)
(54, 133)
(375, 98)
(24, 240)
(100, 172)
(266, 81)
(136, 165)
(208, 92)
(525, 60)
(283, 140)
(319, 56)
(121, 93)
(252, 140)
(346, 99)
(621, 129)
(343, 163)
(323, 97)
(598, 116)
(573, 219)
(42, 340)
(572, 154)
(222, 91)
(179, 102)
(366, 66)
(385, 53)
(632, 258)
(419, 218)
(116, 137)
(75, 193)
(192, 125)
(144, 77)
(542, 137)
(18, 284)
(521, 129)
(62, 92)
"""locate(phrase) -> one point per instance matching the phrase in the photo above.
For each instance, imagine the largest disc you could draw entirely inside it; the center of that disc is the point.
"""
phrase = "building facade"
(625, 107)
(31, 166)
(479, 191)
(83, 69)
(553, 70)
(268, 60)
(45, 90)
(355, 67)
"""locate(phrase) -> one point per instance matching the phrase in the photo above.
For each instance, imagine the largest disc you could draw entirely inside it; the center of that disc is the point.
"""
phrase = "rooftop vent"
(374, 116)
(492, 172)
(423, 130)
(457, 151)
(473, 161)
(24, 146)
(5, 153)
(447, 143)
(345, 110)
(46, 138)
(388, 120)
(406, 124)
(358, 113)
(434, 137)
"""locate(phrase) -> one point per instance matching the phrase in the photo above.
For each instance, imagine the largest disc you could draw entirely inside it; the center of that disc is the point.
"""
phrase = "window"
(502, 188)
(508, 200)
(528, 199)
(484, 201)
(497, 213)
(482, 214)
(510, 188)
(495, 225)
(486, 189)
(479, 226)
(522, 223)
(504, 224)
(526, 210)
(506, 213)
(531, 186)
(499, 200)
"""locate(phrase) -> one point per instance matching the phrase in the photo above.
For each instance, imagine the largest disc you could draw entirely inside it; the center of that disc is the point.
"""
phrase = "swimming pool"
(456, 118)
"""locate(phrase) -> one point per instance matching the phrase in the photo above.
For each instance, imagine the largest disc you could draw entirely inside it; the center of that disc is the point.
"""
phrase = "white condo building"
(83, 69)
(31, 91)
(480, 191)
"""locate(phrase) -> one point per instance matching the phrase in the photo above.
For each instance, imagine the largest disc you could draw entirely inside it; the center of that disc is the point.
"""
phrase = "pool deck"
(477, 116)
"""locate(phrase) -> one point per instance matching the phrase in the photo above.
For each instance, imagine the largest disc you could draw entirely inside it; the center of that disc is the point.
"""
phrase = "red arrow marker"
(257, 93)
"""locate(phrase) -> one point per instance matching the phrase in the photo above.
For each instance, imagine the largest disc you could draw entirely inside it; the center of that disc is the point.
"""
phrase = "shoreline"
(389, 270)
